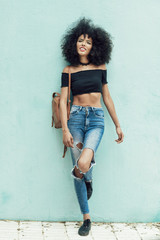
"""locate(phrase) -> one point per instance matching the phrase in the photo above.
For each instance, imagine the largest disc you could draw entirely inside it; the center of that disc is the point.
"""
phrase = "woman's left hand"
(120, 135)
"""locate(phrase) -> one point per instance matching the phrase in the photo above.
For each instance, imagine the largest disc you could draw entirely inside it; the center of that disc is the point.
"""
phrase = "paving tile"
(8, 230)
(54, 231)
(148, 231)
(30, 230)
(125, 231)
(8, 223)
(102, 231)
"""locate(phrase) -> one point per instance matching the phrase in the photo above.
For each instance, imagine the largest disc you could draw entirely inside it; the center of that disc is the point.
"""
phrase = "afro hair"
(101, 48)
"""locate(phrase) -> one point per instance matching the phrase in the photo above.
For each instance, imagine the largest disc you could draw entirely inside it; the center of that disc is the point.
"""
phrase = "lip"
(84, 49)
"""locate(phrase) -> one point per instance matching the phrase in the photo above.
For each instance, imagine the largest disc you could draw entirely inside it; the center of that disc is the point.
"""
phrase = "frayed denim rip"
(76, 151)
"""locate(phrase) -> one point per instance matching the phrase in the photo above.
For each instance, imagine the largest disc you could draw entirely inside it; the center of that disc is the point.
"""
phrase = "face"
(84, 45)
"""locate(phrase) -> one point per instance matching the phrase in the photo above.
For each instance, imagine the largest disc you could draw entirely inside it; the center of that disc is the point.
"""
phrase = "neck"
(83, 59)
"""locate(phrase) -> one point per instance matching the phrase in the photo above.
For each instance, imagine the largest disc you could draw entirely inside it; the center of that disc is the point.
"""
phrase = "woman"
(87, 48)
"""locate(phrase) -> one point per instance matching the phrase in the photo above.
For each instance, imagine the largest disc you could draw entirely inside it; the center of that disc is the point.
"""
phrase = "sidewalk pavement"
(39, 230)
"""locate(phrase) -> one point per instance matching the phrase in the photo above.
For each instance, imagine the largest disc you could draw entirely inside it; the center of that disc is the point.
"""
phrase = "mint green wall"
(35, 181)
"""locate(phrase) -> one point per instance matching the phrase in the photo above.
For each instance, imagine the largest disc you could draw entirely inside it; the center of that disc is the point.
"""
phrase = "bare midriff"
(88, 99)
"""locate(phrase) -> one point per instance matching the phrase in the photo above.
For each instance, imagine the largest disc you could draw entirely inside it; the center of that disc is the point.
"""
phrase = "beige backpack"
(56, 109)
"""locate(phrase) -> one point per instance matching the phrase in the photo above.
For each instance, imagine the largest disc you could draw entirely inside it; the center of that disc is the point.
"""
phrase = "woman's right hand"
(67, 139)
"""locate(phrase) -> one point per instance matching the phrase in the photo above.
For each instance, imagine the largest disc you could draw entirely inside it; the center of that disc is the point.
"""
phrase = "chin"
(83, 54)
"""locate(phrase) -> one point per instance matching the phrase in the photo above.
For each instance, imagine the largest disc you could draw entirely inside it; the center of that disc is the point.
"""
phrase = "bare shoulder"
(72, 69)
(102, 66)
(65, 70)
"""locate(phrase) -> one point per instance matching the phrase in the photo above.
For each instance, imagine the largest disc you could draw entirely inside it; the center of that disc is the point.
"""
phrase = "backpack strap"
(69, 91)
(65, 150)
(56, 93)
(69, 85)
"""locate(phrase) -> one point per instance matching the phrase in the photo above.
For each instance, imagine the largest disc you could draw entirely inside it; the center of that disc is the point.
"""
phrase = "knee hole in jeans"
(76, 170)
(79, 145)
(77, 173)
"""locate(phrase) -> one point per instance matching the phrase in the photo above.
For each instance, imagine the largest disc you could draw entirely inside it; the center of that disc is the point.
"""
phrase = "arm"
(109, 104)
(111, 109)
(67, 137)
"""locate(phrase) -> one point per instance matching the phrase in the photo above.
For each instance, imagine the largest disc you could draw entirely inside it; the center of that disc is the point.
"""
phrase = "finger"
(68, 143)
(119, 140)
(120, 136)
(71, 144)
(65, 143)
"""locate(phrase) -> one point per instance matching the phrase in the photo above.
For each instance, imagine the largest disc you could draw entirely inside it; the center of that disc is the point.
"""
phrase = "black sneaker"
(89, 189)
(84, 229)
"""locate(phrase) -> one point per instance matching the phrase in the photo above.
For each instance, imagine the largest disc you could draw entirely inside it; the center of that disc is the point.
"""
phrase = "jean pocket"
(98, 113)
(74, 110)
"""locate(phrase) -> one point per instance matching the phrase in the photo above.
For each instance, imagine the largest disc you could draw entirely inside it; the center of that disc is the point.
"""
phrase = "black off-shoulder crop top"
(85, 81)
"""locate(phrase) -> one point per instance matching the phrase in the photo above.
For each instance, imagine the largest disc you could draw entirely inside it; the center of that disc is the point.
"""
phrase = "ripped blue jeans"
(86, 124)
